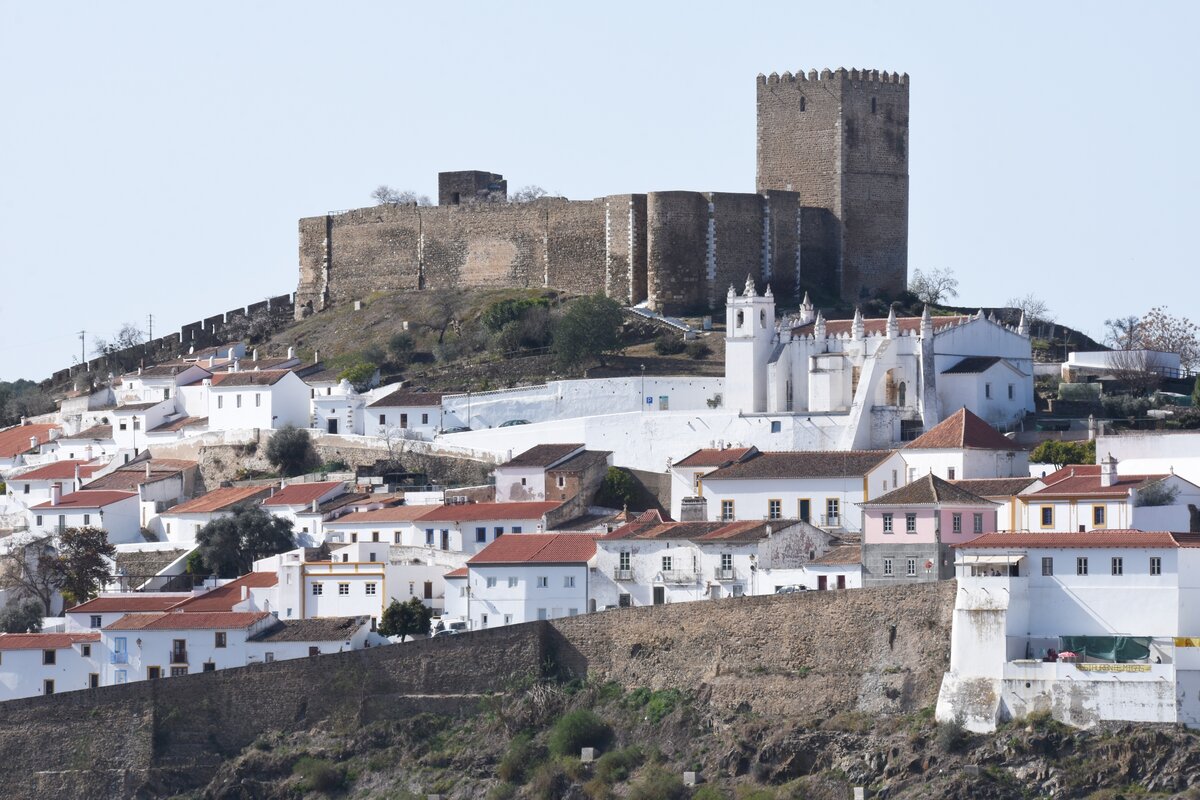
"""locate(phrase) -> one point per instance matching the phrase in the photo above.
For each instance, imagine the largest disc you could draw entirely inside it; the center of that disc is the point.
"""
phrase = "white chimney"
(236, 364)
(87, 453)
(254, 355)
(314, 506)
(245, 591)
(211, 359)
(33, 442)
(24, 421)
(76, 474)
(55, 493)
(291, 352)
(1108, 470)
(147, 470)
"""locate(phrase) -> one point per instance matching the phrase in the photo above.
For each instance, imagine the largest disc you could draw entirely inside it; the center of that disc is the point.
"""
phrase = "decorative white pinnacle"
(750, 290)
(1023, 325)
(893, 327)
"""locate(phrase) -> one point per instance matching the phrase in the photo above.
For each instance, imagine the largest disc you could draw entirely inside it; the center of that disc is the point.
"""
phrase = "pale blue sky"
(154, 157)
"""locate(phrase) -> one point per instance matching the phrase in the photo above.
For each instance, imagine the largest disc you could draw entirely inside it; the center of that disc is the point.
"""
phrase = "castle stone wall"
(676, 250)
(625, 237)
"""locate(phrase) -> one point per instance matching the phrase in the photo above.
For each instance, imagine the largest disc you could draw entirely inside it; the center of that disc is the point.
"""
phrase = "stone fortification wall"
(881, 651)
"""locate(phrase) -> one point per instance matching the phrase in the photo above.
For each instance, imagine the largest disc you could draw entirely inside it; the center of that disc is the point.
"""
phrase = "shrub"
(661, 704)
(290, 450)
(951, 737)
(401, 346)
(617, 490)
(615, 766)
(578, 729)
(503, 312)
(502, 791)
(589, 331)
(658, 784)
(548, 782)
(754, 793)
(708, 793)
(698, 350)
(522, 756)
(361, 375)
(669, 345)
(317, 774)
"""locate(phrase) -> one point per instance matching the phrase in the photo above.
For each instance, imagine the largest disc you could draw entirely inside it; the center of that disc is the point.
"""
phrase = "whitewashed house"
(469, 527)
(306, 506)
(92, 443)
(1123, 604)
(33, 486)
(41, 664)
(822, 487)
(391, 525)
(132, 420)
(1087, 497)
(652, 561)
(406, 411)
(552, 472)
(687, 474)
(159, 482)
(840, 567)
(182, 522)
(533, 576)
(964, 446)
(1005, 493)
(109, 607)
(24, 439)
(113, 511)
(264, 399)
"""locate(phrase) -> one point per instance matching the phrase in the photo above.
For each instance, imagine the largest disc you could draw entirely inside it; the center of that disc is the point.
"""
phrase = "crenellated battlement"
(841, 73)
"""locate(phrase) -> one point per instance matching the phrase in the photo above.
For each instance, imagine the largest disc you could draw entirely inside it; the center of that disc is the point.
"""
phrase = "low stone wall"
(810, 655)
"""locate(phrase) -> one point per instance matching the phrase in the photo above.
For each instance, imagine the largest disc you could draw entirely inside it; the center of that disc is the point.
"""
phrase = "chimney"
(693, 509)
(147, 469)
(87, 453)
(33, 442)
(291, 352)
(211, 359)
(314, 506)
(1108, 470)
(76, 474)
(316, 356)
(245, 591)
(254, 354)
(55, 493)
(236, 365)
(24, 421)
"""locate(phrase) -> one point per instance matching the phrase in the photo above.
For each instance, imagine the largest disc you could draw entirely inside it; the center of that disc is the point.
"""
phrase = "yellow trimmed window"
(1047, 516)
(1099, 516)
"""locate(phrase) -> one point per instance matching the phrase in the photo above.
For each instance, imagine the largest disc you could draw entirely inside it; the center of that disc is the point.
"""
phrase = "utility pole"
(150, 326)
(82, 353)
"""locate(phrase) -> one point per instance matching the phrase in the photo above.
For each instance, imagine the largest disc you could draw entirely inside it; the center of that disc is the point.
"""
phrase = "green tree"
(410, 618)
(29, 571)
(618, 489)
(589, 331)
(84, 555)
(291, 450)
(1061, 454)
(361, 375)
(22, 616)
(401, 345)
(230, 545)
(1196, 393)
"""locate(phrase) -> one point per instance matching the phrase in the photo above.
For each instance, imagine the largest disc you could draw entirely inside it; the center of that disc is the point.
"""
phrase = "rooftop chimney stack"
(1108, 471)
(55, 493)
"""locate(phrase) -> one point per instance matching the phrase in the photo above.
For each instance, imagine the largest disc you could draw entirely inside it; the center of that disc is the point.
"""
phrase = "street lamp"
(642, 401)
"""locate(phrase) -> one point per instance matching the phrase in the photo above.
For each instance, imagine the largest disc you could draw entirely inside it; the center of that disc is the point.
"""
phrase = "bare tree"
(385, 195)
(935, 286)
(527, 194)
(1170, 334)
(30, 570)
(1034, 309)
(1123, 333)
(1140, 370)
(443, 308)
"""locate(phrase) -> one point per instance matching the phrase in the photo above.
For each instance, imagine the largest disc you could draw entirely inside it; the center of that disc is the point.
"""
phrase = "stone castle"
(829, 217)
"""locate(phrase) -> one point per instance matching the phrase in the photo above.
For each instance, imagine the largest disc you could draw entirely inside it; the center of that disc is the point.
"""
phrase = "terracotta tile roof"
(461, 572)
(710, 457)
(407, 398)
(316, 629)
(266, 377)
(225, 597)
(58, 470)
(44, 641)
(95, 433)
(132, 475)
(1105, 538)
(803, 464)
(180, 621)
(87, 498)
(650, 525)
(220, 499)
(1083, 480)
(843, 554)
(478, 512)
(581, 461)
(928, 490)
(390, 514)
(995, 487)
(973, 365)
(166, 370)
(542, 455)
(131, 408)
(538, 548)
(301, 494)
(179, 424)
(962, 429)
(15, 440)
(107, 604)
(836, 327)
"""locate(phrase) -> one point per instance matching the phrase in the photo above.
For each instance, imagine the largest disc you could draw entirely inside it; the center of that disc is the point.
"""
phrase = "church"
(873, 381)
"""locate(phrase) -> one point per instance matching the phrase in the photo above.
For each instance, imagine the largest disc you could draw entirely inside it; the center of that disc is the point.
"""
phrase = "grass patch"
(318, 775)
(578, 729)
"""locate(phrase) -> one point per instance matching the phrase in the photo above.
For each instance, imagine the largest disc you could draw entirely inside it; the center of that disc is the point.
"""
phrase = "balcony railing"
(724, 574)
(119, 658)
(179, 656)
(622, 574)
(678, 576)
(831, 520)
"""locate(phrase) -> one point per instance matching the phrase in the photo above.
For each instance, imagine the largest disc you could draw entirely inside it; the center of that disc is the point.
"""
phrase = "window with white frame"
(370, 589)
(568, 581)
(978, 525)
(910, 567)
(956, 522)
(1118, 565)
(887, 567)
(1155, 565)
(1047, 565)
(512, 581)
(1081, 565)
(490, 583)
(543, 582)
(318, 589)
(666, 563)
(887, 523)
(910, 523)
(343, 589)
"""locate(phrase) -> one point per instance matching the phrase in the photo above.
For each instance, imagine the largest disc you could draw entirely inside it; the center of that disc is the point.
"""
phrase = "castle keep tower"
(840, 139)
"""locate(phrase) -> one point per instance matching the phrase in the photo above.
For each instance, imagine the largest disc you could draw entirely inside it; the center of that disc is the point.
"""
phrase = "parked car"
(447, 627)
(792, 589)
(456, 429)
(513, 422)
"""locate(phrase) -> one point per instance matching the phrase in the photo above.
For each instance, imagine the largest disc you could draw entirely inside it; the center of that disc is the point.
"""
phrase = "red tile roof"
(301, 494)
(847, 554)
(962, 429)
(478, 512)
(390, 514)
(15, 440)
(179, 621)
(710, 457)
(264, 377)
(995, 487)
(106, 604)
(1105, 538)
(803, 464)
(1083, 480)
(461, 572)
(538, 548)
(58, 470)
(225, 597)
(87, 498)
(96, 432)
(650, 525)
(220, 499)
(407, 398)
(879, 325)
(44, 641)
(542, 455)
(179, 424)
(928, 490)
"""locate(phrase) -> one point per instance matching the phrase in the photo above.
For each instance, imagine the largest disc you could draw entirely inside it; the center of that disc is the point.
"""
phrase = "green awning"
(1109, 648)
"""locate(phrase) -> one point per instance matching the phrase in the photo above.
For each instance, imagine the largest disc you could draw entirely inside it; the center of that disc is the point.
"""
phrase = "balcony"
(622, 574)
(678, 576)
(831, 520)
(724, 574)
(119, 658)
(178, 656)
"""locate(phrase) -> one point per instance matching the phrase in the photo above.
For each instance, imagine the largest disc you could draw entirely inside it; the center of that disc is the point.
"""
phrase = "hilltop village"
(231, 508)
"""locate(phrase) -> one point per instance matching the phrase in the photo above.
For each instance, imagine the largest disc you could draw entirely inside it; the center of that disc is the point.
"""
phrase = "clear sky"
(155, 156)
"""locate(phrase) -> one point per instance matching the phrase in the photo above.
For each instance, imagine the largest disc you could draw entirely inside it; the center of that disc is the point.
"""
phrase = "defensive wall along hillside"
(810, 655)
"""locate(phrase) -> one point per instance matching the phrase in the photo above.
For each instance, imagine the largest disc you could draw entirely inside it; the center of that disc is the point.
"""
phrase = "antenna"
(82, 353)
(150, 326)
